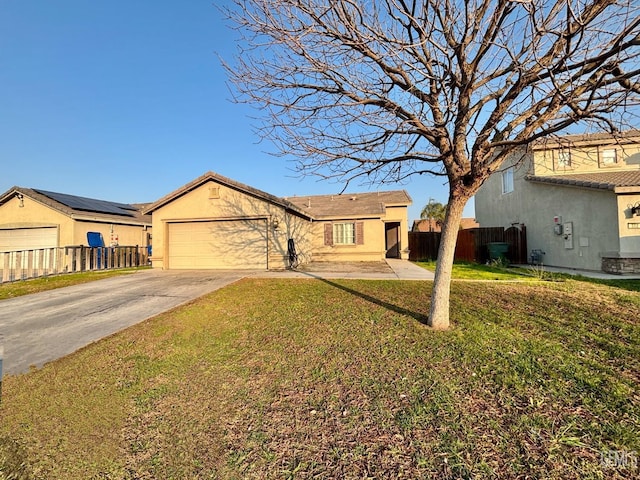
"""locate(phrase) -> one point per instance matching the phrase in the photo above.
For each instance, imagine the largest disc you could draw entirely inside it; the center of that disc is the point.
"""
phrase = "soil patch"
(350, 267)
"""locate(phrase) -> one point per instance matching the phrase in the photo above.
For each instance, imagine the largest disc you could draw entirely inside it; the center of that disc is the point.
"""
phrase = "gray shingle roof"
(598, 138)
(351, 204)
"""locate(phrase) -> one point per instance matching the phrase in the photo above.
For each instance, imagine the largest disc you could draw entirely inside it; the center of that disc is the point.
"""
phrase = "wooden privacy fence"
(25, 264)
(472, 245)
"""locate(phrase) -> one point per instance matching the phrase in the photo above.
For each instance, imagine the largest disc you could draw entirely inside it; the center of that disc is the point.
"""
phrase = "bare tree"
(383, 90)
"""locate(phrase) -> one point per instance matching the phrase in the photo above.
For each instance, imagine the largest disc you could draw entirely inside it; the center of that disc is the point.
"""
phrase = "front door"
(392, 239)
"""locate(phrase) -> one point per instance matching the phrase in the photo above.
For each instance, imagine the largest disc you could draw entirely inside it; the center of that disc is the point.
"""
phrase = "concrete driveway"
(41, 327)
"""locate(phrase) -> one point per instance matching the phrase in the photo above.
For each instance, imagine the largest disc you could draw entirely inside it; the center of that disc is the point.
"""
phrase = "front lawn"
(35, 285)
(476, 271)
(340, 379)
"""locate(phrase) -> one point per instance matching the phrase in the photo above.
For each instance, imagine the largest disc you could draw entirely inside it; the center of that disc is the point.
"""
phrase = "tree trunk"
(439, 313)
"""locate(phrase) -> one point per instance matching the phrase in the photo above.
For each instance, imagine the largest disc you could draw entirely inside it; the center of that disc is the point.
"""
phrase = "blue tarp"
(95, 239)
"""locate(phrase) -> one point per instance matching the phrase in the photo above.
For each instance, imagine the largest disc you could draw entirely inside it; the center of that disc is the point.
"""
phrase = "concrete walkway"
(398, 270)
(406, 270)
(584, 273)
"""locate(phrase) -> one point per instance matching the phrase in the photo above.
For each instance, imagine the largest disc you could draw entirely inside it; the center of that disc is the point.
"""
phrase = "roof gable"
(211, 176)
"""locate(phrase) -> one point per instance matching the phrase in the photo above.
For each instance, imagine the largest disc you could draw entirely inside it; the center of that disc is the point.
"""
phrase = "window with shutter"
(328, 234)
(359, 233)
(347, 233)
(344, 234)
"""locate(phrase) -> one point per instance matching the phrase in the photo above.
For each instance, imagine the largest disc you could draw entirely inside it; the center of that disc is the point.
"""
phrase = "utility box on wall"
(568, 235)
(557, 225)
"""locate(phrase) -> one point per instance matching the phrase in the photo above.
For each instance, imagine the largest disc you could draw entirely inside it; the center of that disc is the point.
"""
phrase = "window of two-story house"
(563, 159)
(507, 180)
(608, 156)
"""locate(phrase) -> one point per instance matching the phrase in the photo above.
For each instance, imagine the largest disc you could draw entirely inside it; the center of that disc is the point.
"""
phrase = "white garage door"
(13, 239)
(218, 244)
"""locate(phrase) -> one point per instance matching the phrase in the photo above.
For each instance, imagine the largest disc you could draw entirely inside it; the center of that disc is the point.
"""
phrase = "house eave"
(627, 189)
(20, 225)
(563, 182)
(110, 220)
(340, 217)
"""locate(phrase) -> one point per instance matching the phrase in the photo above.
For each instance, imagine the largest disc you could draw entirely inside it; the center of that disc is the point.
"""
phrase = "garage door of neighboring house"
(220, 244)
(12, 239)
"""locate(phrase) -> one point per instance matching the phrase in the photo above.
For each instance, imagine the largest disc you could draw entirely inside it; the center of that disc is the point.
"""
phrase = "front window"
(344, 234)
(507, 180)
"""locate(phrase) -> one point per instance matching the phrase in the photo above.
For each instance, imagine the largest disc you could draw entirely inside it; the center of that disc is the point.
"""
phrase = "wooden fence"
(472, 245)
(25, 264)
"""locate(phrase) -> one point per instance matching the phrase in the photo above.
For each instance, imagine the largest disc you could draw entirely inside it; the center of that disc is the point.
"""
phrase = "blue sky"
(127, 101)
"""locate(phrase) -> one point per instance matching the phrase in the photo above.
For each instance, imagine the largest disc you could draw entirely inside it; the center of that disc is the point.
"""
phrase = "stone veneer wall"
(620, 265)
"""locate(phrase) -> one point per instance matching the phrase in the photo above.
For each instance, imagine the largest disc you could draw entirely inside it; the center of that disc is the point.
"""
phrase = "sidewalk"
(397, 270)
(585, 273)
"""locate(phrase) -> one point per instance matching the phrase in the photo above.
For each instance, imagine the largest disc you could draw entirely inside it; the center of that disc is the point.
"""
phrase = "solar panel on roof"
(90, 204)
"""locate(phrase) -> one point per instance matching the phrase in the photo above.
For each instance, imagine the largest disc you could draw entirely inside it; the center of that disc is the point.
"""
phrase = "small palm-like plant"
(435, 212)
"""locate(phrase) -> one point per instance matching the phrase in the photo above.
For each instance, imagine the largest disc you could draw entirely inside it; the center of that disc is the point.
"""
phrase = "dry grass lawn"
(340, 379)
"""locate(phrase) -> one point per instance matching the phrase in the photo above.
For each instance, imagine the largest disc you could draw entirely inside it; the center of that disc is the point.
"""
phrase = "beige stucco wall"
(228, 203)
(629, 226)
(400, 214)
(374, 246)
(70, 231)
(34, 214)
(587, 159)
(294, 227)
(372, 249)
(125, 235)
(593, 213)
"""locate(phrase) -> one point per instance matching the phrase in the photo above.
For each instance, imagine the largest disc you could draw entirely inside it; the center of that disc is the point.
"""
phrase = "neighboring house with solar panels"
(34, 219)
(579, 198)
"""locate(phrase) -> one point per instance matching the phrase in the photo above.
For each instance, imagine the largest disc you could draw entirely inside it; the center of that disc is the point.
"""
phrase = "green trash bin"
(498, 250)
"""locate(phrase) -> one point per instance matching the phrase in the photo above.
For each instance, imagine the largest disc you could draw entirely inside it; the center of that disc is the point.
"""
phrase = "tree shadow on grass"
(421, 318)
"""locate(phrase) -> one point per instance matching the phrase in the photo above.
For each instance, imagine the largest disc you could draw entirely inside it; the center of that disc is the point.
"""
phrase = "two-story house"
(579, 198)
